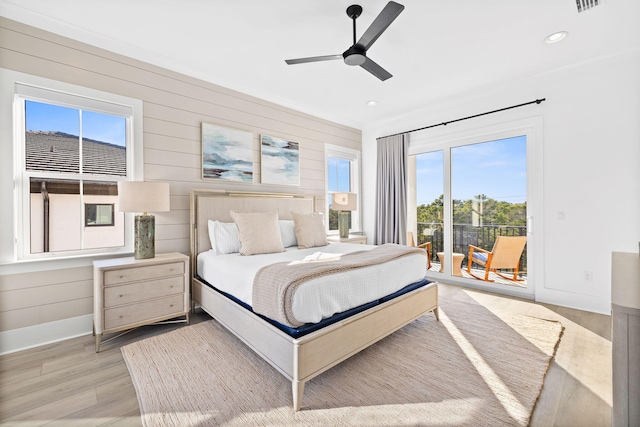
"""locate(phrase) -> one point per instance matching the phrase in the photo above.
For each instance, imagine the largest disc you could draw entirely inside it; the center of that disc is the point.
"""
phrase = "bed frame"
(298, 359)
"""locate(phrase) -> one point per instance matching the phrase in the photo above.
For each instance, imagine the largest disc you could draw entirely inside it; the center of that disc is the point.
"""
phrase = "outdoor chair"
(505, 254)
(425, 246)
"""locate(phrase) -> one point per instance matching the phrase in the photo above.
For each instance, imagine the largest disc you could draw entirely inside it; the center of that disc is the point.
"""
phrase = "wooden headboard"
(216, 205)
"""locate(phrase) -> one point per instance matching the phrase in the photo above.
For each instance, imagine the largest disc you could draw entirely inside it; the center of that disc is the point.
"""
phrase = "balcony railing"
(467, 234)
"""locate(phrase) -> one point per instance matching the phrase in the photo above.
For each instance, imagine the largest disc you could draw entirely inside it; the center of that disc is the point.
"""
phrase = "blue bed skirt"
(311, 327)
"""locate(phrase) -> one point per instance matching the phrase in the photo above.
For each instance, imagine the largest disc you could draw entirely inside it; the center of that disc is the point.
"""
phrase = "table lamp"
(344, 203)
(141, 196)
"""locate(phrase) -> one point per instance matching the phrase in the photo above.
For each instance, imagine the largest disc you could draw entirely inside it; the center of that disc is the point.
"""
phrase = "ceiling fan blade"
(382, 21)
(376, 70)
(313, 59)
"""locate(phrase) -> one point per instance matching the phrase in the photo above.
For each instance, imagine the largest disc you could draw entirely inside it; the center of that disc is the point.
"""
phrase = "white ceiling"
(434, 49)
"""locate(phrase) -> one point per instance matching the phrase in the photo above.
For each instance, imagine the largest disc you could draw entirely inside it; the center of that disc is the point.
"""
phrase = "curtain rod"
(537, 101)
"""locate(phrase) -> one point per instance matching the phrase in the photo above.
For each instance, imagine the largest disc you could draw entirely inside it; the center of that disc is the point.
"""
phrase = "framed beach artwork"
(227, 153)
(279, 161)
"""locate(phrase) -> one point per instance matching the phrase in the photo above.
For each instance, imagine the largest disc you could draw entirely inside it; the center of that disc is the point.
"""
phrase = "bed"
(298, 356)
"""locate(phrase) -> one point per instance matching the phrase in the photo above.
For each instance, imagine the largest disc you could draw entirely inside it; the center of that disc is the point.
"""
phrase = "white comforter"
(318, 298)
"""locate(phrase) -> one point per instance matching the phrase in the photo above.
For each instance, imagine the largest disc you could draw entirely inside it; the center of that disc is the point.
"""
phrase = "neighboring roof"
(58, 152)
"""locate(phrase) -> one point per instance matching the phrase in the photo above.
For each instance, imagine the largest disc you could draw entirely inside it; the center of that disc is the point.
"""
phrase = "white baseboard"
(46, 333)
(574, 300)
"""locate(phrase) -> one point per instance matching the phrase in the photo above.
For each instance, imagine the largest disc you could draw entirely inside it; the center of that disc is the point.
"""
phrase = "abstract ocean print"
(227, 153)
(280, 161)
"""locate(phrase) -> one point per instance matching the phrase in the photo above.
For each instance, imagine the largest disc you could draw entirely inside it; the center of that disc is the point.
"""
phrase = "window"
(96, 215)
(343, 172)
(71, 152)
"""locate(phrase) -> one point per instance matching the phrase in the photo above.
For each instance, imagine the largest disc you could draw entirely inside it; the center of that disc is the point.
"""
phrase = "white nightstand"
(129, 292)
(353, 238)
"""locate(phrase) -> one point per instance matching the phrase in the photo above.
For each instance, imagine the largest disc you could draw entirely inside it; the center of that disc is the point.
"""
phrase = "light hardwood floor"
(68, 384)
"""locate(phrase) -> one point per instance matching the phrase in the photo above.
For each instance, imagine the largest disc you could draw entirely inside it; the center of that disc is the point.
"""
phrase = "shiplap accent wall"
(174, 106)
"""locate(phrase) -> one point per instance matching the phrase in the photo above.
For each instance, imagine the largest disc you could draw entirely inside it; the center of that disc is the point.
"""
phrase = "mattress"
(319, 298)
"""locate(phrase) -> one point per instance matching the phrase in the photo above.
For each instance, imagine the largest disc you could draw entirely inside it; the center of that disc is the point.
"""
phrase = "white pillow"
(288, 233)
(259, 232)
(309, 229)
(224, 237)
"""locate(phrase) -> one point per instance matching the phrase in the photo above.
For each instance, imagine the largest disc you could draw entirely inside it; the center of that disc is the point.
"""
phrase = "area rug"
(474, 367)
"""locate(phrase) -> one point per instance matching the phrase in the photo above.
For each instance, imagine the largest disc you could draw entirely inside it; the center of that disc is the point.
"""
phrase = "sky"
(496, 169)
(338, 175)
(96, 126)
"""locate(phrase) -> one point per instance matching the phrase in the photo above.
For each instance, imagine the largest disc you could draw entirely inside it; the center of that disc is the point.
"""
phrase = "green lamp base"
(145, 231)
(343, 223)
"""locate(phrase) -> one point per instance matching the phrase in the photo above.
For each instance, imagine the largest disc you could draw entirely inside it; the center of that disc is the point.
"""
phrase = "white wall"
(64, 230)
(591, 173)
(100, 237)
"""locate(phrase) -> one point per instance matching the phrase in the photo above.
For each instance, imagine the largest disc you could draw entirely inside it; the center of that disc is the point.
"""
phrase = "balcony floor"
(435, 267)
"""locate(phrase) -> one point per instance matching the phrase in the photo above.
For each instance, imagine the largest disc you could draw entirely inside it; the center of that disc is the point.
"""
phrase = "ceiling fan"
(357, 53)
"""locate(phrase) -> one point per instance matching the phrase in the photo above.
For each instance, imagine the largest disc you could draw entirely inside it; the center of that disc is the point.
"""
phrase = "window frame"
(354, 157)
(17, 87)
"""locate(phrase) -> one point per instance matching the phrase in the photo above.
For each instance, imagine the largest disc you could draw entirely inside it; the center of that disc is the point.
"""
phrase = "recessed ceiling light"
(556, 37)
(372, 103)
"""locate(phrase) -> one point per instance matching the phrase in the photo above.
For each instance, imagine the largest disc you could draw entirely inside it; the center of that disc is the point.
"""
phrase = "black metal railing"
(466, 234)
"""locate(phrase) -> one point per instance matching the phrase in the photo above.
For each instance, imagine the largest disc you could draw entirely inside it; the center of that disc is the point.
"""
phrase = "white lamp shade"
(344, 201)
(140, 196)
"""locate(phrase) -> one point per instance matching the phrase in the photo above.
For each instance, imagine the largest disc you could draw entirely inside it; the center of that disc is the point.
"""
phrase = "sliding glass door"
(471, 204)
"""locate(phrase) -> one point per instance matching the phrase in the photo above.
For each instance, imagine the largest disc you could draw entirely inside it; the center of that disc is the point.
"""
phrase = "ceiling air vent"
(584, 5)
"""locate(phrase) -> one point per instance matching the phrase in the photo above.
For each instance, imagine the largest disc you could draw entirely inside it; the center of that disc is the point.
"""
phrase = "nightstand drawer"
(141, 291)
(144, 312)
(126, 275)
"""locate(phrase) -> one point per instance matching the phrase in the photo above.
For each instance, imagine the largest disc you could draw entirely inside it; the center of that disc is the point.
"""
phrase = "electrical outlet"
(588, 276)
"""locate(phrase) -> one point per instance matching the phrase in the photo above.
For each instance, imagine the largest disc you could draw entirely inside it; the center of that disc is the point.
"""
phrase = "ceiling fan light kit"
(357, 53)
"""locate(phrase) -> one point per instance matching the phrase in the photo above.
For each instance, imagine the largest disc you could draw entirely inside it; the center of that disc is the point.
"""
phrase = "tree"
(433, 212)
(491, 211)
(333, 219)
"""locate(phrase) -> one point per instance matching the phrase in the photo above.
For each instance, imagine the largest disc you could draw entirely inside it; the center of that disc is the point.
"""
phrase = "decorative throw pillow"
(259, 232)
(224, 237)
(288, 233)
(309, 230)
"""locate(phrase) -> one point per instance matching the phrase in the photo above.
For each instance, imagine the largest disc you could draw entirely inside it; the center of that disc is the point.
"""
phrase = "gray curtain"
(391, 191)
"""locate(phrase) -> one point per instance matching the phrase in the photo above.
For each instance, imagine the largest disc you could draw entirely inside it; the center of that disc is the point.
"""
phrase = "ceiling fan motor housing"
(355, 55)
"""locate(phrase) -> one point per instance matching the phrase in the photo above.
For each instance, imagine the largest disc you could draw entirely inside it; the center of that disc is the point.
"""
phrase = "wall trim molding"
(594, 304)
(45, 333)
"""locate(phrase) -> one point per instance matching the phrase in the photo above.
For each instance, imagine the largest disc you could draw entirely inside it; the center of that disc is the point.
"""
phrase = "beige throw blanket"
(275, 284)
